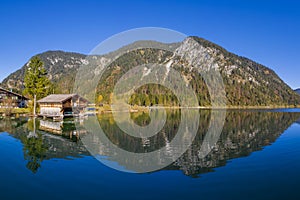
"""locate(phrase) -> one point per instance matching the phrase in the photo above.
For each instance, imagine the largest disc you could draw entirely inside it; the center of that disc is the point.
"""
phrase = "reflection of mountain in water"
(243, 133)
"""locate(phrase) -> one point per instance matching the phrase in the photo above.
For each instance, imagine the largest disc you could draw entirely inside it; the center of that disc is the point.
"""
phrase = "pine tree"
(36, 83)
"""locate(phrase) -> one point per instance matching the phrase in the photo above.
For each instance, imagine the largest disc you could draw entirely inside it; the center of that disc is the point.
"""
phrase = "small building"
(58, 106)
(11, 99)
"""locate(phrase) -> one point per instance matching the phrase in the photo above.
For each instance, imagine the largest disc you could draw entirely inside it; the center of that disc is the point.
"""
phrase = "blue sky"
(263, 30)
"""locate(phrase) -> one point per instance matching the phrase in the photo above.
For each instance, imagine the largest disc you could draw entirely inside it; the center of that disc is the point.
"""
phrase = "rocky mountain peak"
(197, 55)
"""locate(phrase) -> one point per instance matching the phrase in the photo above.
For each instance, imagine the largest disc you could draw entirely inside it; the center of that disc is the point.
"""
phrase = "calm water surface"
(256, 157)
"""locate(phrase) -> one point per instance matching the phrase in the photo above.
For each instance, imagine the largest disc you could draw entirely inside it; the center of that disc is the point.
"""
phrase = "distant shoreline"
(107, 109)
(147, 108)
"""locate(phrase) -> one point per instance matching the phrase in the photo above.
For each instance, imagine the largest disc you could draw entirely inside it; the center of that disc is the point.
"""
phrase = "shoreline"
(133, 109)
(147, 108)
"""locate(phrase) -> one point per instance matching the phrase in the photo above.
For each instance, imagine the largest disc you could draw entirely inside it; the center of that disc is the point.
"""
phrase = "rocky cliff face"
(246, 82)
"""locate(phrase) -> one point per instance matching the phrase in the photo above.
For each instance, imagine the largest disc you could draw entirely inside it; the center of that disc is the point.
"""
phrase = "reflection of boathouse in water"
(58, 106)
(51, 126)
(66, 129)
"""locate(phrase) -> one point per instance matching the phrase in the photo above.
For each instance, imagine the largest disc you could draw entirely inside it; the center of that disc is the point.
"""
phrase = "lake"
(256, 156)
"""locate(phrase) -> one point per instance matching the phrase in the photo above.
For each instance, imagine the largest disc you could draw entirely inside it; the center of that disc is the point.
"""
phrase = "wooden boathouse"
(58, 106)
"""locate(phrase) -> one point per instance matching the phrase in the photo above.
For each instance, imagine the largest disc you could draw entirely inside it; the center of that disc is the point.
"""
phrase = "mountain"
(60, 66)
(247, 83)
(298, 91)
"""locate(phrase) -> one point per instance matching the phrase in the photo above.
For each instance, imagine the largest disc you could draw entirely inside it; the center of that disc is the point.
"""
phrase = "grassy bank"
(15, 111)
(107, 109)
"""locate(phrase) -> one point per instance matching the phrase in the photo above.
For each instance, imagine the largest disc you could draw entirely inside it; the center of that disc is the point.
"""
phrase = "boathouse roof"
(57, 98)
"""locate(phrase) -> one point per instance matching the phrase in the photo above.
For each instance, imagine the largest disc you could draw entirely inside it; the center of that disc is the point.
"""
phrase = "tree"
(37, 85)
(100, 98)
(147, 101)
(8, 106)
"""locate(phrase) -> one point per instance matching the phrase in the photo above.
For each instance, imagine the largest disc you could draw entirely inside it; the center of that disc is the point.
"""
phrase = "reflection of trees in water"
(140, 118)
(9, 125)
(39, 145)
(243, 133)
(139, 145)
(34, 151)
